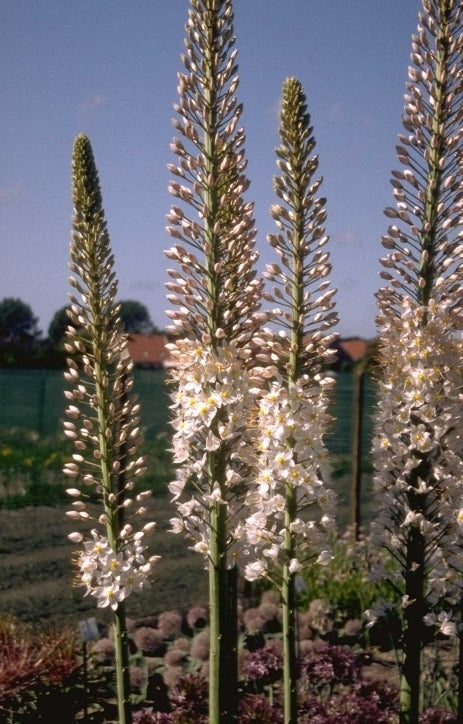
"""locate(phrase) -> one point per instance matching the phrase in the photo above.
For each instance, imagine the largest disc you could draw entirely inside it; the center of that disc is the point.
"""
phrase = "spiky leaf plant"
(291, 501)
(417, 448)
(103, 420)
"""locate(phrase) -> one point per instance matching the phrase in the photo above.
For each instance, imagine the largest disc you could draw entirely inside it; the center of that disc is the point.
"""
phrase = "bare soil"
(37, 577)
(37, 574)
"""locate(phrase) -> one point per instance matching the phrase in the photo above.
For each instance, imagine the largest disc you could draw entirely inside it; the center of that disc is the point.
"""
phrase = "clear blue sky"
(108, 68)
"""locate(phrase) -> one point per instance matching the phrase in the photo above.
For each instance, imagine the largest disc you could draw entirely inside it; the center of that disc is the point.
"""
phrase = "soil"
(37, 586)
(36, 569)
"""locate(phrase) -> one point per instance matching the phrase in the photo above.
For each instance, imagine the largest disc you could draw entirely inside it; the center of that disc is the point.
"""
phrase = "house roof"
(148, 349)
(354, 348)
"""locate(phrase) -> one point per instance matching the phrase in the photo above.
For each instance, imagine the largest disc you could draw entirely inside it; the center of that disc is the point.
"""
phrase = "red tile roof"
(354, 347)
(148, 349)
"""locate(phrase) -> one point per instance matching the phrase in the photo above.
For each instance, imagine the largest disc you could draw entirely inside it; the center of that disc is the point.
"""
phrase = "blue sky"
(108, 68)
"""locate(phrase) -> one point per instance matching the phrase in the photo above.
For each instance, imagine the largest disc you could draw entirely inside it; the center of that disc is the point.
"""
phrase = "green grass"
(31, 467)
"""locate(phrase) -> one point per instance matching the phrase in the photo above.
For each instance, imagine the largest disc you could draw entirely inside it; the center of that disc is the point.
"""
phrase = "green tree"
(17, 322)
(135, 317)
(58, 325)
(19, 334)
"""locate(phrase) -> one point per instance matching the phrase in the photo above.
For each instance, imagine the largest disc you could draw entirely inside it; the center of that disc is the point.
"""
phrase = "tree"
(17, 322)
(19, 334)
(135, 317)
(58, 325)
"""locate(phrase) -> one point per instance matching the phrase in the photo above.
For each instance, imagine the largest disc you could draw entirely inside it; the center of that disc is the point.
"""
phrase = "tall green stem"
(223, 647)
(121, 647)
(289, 614)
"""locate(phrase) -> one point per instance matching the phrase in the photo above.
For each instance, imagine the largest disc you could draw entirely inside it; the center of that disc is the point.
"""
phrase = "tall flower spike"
(417, 445)
(293, 418)
(216, 291)
(103, 419)
(216, 298)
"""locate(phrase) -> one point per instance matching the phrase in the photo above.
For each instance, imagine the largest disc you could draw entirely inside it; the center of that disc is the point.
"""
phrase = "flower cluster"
(215, 288)
(110, 571)
(103, 414)
(292, 420)
(419, 470)
(109, 576)
(211, 404)
(417, 449)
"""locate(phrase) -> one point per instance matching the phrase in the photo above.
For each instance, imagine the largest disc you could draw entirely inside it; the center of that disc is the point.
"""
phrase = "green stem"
(122, 665)
(460, 664)
(434, 177)
(222, 595)
(222, 601)
(211, 169)
(410, 684)
(289, 617)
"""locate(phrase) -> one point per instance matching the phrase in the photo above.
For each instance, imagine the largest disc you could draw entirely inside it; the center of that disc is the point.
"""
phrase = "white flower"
(325, 558)
(211, 405)
(110, 595)
(416, 450)
(444, 624)
(294, 566)
(109, 576)
(76, 537)
(292, 420)
(201, 547)
(255, 570)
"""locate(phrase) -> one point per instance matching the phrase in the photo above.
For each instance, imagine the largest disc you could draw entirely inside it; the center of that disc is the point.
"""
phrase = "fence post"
(41, 402)
(357, 434)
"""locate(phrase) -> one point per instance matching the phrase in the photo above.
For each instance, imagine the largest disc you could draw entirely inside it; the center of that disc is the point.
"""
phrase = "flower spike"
(417, 444)
(292, 466)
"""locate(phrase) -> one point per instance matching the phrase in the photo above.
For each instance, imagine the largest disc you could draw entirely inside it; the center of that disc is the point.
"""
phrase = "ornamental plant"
(39, 671)
(216, 298)
(291, 502)
(417, 447)
(103, 422)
